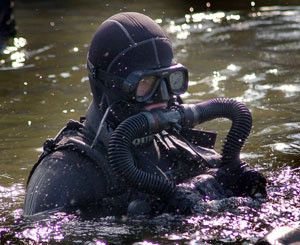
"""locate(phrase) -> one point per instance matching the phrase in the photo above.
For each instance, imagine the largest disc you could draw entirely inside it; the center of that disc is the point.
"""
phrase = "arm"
(64, 180)
(241, 179)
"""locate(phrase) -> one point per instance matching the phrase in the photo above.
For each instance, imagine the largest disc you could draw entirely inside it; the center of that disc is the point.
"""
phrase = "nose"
(163, 91)
(161, 94)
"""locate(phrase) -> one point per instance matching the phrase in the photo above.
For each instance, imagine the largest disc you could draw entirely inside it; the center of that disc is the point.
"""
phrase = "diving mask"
(141, 85)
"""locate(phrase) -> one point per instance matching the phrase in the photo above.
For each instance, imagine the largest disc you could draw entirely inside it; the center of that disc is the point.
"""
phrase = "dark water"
(250, 55)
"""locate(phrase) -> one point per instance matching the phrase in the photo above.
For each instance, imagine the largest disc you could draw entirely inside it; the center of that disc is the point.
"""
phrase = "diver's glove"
(138, 207)
(179, 205)
(241, 179)
(149, 205)
(176, 204)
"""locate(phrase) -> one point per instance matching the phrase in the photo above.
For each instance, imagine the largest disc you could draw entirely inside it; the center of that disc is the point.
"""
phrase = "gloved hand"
(138, 207)
(176, 204)
(241, 179)
(250, 183)
(179, 205)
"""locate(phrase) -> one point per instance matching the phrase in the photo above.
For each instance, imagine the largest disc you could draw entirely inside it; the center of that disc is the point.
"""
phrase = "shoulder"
(66, 169)
(68, 160)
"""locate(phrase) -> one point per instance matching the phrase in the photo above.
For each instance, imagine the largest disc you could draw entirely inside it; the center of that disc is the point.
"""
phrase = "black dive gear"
(95, 165)
(141, 85)
(223, 108)
(145, 123)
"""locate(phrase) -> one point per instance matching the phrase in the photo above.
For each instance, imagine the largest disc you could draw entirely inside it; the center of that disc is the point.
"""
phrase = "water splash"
(238, 220)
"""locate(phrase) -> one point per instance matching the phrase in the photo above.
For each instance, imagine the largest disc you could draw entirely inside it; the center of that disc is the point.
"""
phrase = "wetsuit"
(74, 173)
(71, 176)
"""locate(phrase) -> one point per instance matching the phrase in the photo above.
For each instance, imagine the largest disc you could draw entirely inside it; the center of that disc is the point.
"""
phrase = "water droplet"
(65, 74)
(75, 68)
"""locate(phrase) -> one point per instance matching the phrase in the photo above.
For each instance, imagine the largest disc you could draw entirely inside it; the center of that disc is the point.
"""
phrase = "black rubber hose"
(241, 123)
(119, 152)
(121, 160)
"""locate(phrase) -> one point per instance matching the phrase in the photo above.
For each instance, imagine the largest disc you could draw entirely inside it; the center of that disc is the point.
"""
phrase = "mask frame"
(175, 76)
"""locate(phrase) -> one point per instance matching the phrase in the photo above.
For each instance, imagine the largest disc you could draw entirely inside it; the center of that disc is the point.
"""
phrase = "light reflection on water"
(250, 56)
(241, 225)
(16, 55)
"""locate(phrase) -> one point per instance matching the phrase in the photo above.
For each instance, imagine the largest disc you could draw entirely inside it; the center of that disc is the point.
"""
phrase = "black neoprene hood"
(124, 43)
(128, 42)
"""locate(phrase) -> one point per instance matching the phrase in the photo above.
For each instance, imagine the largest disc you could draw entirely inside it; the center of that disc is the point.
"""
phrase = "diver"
(137, 142)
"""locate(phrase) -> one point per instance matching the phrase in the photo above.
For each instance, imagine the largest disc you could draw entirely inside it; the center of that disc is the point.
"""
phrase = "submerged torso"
(73, 177)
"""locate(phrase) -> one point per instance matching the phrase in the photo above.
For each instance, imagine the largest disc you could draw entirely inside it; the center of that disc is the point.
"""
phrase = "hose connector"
(162, 119)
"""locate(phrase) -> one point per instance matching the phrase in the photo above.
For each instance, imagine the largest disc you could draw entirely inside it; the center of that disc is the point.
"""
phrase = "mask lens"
(145, 87)
(177, 82)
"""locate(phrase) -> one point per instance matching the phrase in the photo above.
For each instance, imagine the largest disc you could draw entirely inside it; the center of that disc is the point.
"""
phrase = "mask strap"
(109, 80)
(91, 68)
